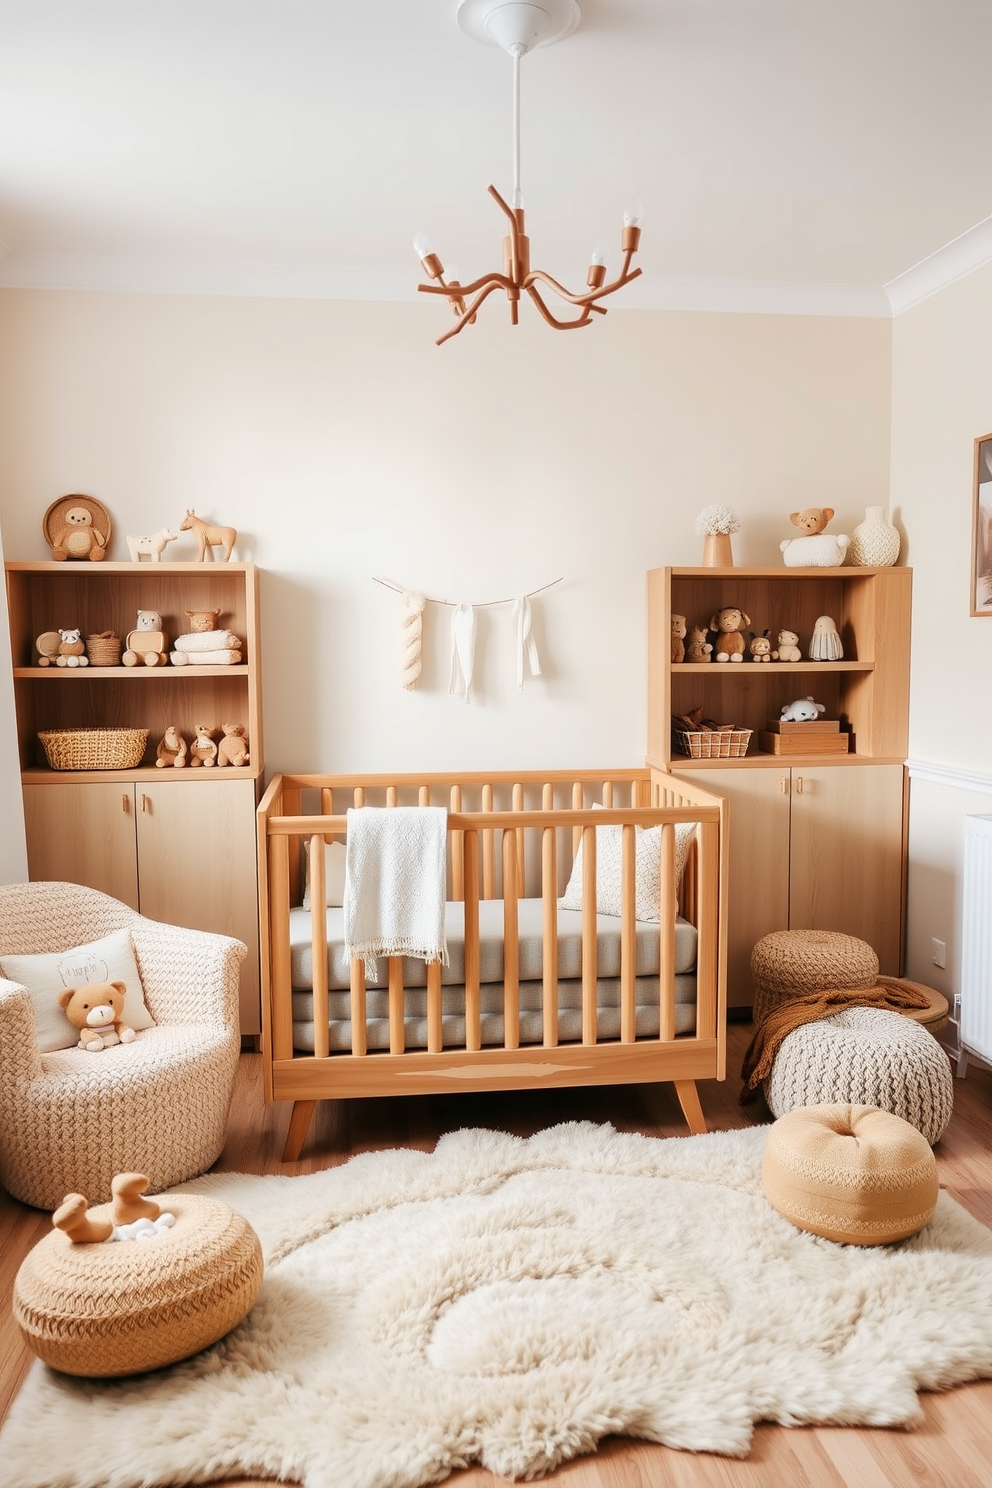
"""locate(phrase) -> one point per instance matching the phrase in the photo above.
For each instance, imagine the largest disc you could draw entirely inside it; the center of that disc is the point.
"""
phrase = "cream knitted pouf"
(869, 1057)
(790, 963)
(853, 1174)
(124, 1307)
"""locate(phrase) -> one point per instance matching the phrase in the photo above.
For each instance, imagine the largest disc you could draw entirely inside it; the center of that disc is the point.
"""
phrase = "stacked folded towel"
(207, 648)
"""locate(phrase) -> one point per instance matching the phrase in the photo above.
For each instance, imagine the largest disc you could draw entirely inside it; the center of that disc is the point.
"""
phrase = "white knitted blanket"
(394, 883)
(208, 640)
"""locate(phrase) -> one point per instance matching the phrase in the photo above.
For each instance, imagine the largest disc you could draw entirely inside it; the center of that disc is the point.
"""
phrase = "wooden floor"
(952, 1448)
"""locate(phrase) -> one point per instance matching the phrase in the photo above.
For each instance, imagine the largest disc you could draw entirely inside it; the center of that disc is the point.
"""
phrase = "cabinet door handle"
(126, 804)
(799, 785)
(146, 804)
(783, 785)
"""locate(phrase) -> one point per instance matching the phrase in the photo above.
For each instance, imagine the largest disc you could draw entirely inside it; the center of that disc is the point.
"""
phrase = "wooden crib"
(567, 1003)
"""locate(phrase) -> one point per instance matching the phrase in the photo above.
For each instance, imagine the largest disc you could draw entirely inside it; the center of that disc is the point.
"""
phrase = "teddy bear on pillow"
(96, 1009)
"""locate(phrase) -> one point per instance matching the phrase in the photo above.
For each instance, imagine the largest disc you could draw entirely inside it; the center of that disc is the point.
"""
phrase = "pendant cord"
(516, 52)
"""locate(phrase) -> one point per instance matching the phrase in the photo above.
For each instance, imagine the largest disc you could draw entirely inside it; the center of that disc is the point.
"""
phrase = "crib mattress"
(530, 920)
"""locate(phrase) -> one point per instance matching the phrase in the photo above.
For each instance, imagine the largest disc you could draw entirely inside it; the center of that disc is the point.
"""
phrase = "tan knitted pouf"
(865, 1056)
(850, 1173)
(124, 1307)
(790, 963)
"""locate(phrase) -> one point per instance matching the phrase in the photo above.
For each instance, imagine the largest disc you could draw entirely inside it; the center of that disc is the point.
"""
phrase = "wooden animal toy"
(203, 750)
(803, 710)
(816, 548)
(78, 538)
(788, 647)
(698, 648)
(153, 546)
(147, 642)
(72, 650)
(201, 621)
(232, 748)
(760, 647)
(172, 749)
(208, 536)
(727, 625)
(678, 638)
(73, 1218)
(825, 642)
(47, 647)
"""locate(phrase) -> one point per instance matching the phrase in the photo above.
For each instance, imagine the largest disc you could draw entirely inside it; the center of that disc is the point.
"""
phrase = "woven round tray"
(94, 749)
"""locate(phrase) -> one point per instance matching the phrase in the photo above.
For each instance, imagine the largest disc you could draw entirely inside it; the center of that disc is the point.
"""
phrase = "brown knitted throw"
(760, 1056)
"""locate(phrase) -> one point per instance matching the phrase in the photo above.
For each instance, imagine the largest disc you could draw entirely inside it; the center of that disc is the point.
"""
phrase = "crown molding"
(315, 282)
(956, 260)
(949, 776)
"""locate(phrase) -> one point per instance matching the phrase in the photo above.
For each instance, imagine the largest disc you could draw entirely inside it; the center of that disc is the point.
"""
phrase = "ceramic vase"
(875, 542)
(717, 551)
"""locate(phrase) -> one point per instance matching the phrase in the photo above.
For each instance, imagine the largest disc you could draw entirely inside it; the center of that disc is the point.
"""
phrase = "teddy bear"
(788, 647)
(78, 538)
(760, 647)
(678, 638)
(816, 548)
(203, 750)
(699, 648)
(202, 620)
(232, 749)
(728, 626)
(72, 650)
(96, 1009)
(171, 749)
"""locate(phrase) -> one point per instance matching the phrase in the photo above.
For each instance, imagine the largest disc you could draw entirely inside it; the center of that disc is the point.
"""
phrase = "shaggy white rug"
(509, 1302)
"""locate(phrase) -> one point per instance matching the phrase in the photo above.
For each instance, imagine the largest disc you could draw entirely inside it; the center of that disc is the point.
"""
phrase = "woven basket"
(714, 743)
(94, 748)
(104, 649)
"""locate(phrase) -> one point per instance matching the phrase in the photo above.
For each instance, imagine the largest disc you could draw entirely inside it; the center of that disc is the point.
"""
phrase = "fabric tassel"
(411, 635)
(462, 649)
(526, 644)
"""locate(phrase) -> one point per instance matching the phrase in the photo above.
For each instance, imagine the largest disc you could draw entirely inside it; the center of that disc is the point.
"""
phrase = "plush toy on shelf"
(760, 646)
(825, 642)
(816, 548)
(47, 647)
(201, 620)
(96, 1009)
(203, 750)
(728, 625)
(232, 748)
(77, 537)
(172, 749)
(153, 547)
(803, 710)
(698, 648)
(72, 649)
(204, 644)
(147, 642)
(787, 647)
(678, 638)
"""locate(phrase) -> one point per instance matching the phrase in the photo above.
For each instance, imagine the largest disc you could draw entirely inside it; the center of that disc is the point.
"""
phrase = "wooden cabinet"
(815, 842)
(178, 845)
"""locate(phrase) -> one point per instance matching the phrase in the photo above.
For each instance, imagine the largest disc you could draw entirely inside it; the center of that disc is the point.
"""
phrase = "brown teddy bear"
(233, 747)
(78, 538)
(728, 626)
(698, 648)
(203, 750)
(96, 1009)
(202, 620)
(678, 638)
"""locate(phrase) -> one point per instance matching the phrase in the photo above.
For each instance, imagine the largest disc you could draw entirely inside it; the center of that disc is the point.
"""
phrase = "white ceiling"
(810, 150)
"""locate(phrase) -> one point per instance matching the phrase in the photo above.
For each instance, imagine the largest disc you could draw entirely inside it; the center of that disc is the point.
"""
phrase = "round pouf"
(790, 963)
(866, 1056)
(850, 1173)
(124, 1307)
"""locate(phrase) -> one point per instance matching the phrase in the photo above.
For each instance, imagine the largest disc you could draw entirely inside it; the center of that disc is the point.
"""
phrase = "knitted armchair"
(70, 1120)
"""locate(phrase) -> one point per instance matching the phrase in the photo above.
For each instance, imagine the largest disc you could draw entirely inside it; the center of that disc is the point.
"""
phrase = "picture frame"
(981, 529)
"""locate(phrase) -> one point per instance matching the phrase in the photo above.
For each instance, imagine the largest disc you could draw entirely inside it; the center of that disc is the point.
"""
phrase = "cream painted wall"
(942, 401)
(13, 851)
(343, 444)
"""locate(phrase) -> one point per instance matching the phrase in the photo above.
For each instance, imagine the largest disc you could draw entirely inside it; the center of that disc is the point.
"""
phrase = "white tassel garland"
(411, 638)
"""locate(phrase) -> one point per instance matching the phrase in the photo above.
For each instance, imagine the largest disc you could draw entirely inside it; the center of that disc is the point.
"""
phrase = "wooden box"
(813, 726)
(803, 741)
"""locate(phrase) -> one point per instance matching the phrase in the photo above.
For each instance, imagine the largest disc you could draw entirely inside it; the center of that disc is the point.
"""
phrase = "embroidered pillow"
(334, 858)
(647, 874)
(110, 959)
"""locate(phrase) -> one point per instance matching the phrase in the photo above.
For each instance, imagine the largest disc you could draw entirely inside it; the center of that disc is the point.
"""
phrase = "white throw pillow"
(110, 959)
(334, 859)
(647, 855)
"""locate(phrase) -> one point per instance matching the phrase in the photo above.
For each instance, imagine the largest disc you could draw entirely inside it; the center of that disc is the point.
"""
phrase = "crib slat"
(359, 795)
(424, 796)
(392, 795)
(549, 896)
(666, 949)
(628, 934)
(518, 805)
(282, 976)
(578, 800)
(589, 946)
(488, 848)
(318, 944)
(473, 1025)
(397, 1028)
(457, 866)
(359, 1028)
(707, 969)
(435, 1036)
(511, 943)
(607, 793)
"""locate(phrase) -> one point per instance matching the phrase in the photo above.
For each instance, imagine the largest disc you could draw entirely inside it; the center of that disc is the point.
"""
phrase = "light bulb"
(422, 245)
(452, 274)
(633, 212)
(599, 254)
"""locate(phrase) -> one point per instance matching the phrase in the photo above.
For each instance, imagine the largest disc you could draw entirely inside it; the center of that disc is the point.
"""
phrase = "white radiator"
(976, 939)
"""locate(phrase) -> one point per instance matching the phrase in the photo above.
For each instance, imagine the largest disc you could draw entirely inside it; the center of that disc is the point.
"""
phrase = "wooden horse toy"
(208, 536)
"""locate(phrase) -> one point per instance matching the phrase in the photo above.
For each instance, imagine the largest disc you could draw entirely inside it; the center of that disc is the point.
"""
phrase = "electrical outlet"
(938, 952)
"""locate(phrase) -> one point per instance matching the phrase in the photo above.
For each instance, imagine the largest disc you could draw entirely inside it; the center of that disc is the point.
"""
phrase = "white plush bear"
(803, 710)
(816, 549)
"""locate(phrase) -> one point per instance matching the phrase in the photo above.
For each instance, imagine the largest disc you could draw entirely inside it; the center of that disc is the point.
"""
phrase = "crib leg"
(299, 1125)
(691, 1109)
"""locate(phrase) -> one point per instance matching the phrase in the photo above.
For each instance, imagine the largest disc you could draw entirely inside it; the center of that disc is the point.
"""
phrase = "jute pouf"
(790, 963)
(850, 1173)
(865, 1056)
(124, 1307)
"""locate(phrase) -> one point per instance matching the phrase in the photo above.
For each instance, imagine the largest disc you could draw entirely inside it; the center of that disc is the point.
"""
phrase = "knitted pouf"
(124, 1307)
(869, 1057)
(850, 1173)
(790, 963)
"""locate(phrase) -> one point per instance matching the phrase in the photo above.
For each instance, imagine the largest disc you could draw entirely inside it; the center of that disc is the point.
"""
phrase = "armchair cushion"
(109, 959)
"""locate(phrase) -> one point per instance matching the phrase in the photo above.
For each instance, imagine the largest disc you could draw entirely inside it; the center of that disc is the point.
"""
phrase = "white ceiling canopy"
(788, 153)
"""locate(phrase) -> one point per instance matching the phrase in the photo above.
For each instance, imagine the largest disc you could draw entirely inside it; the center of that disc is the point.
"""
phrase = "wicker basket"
(94, 748)
(724, 743)
(104, 649)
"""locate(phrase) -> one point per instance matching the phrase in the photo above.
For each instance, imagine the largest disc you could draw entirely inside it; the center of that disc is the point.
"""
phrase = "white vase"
(875, 542)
